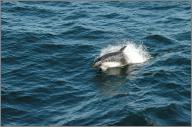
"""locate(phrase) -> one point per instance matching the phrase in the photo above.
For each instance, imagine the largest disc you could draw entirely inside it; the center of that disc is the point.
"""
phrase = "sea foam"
(135, 53)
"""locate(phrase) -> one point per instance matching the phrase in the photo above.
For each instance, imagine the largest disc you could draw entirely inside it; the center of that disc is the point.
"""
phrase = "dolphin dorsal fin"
(122, 48)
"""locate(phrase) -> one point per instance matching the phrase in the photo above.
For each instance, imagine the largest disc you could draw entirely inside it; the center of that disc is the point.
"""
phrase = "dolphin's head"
(97, 62)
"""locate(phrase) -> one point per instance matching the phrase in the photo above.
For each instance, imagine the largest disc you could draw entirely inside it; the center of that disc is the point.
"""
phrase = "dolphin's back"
(113, 56)
(110, 57)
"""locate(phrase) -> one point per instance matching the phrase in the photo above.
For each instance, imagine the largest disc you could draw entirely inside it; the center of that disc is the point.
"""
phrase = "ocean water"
(48, 49)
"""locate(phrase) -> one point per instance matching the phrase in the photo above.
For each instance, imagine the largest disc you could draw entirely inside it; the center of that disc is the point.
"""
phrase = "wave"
(161, 38)
(158, 6)
(110, 15)
(160, 113)
(77, 15)
(86, 32)
(76, 30)
(72, 47)
(183, 36)
(29, 9)
(134, 118)
(13, 110)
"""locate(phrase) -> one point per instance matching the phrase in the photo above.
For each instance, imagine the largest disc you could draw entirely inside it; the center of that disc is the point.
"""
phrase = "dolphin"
(111, 60)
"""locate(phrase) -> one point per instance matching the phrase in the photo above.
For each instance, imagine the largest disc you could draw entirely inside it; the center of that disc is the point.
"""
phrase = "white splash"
(134, 53)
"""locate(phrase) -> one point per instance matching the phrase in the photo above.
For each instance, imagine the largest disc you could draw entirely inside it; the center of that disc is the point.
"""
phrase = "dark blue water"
(48, 49)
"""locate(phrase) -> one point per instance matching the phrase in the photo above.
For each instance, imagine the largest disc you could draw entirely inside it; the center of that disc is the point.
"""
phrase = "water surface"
(48, 49)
